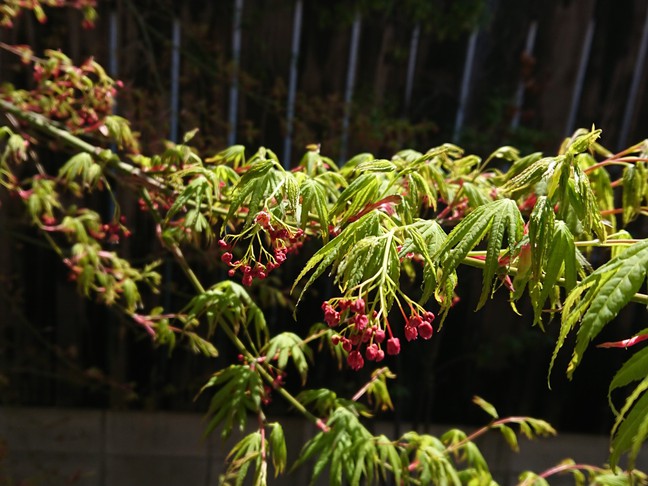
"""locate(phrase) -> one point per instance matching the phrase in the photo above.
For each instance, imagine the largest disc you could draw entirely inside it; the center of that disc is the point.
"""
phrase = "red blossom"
(361, 321)
(355, 360)
(393, 346)
(425, 330)
(262, 219)
(371, 352)
(358, 306)
(411, 333)
(379, 336)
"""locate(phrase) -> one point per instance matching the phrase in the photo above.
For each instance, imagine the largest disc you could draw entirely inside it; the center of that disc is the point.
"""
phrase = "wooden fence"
(284, 73)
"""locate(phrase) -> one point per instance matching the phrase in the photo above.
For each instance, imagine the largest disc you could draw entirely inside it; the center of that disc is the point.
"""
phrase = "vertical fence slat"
(465, 84)
(580, 77)
(173, 131)
(236, 60)
(629, 112)
(350, 83)
(411, 66)
(113, 45)
(519, 94)
(292, 82)
(175, 80)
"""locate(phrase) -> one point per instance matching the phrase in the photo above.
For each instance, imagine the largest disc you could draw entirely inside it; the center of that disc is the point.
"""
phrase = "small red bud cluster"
(419, 326)
(278, 376)
(277, 382)
(112, 232)
(334, 230)
(48, 220)
(528, 204)
(160, 202)
(282, 241)
(78, 96)
(359, 332)
(459, 210)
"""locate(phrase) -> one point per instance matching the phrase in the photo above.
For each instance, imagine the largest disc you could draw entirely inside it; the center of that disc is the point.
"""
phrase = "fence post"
(175, 80)
(113, 45)
(292, 82)
(519, 94)
(236, 60)
(411, 65)
(628, 114)
(465, 84)
(580, 77)
(350, 82)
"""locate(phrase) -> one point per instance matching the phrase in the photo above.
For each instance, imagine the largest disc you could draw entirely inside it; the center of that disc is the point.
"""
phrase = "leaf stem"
(482, 430)
(561, 468)
(376, 376)
(592, 168)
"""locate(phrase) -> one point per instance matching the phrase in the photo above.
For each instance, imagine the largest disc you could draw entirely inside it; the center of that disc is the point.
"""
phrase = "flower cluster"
(359, 332)
(80, 97)
(282, 242)
(364, 339)
(112, 232)
(419, 326)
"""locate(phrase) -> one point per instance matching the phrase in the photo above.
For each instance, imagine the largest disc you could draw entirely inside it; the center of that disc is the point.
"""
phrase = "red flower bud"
(371, 352)
(425, 330)
(379, 336)
(355, 360)
(358, 306)
(410, 333)
(393, 346)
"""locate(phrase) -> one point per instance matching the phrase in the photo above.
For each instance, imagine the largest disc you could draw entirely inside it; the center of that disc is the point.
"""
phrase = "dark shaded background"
(59, 350)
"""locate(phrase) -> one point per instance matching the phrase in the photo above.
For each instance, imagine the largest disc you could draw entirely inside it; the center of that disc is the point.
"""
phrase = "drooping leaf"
(560, 261)
(476, 195)
(277, 443)
(631, 431)
(367, 225)
(239, 392)
(425, 237)
(635, 369)
(233, 156)
(245, 453)
(498, 217)
(520, 165)
(530, 176)
(485, 406)
(288, 345)
(598, 298)
(254, 186)
(81, 166)
(634, 182)
(314, 199)
(509, 436)
(230, 303)
(363, 191)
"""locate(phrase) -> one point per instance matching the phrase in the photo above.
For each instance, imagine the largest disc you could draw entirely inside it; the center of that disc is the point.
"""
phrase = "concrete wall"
(109, 448)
